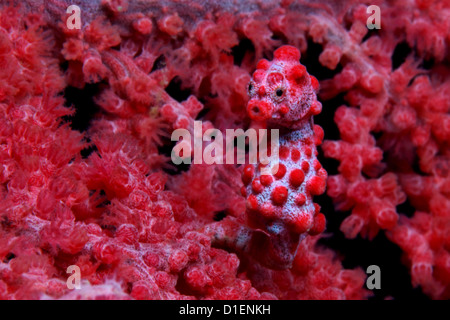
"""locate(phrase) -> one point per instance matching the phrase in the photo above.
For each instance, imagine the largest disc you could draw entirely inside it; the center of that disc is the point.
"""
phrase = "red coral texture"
(86, 177)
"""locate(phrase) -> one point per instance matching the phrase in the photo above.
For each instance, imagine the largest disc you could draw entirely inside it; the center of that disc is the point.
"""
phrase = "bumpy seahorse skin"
(283, 94)
(280, 209)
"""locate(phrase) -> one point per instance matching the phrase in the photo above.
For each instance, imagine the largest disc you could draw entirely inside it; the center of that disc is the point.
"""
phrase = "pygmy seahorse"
(280, 210)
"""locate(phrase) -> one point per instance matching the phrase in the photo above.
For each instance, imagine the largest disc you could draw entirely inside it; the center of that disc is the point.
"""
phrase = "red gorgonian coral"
(85, 172)
(280, 212)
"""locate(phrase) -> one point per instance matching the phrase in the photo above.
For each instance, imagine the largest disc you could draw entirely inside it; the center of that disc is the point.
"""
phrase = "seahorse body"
(280, 208)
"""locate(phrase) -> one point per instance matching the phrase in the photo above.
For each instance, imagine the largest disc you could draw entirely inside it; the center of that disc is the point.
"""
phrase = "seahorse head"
(281, 91)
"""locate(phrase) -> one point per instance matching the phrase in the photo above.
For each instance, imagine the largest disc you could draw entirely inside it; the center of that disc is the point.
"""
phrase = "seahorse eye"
(279, 92)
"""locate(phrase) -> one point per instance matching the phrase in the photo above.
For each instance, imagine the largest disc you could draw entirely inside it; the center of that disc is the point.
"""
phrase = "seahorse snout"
(259, 110)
